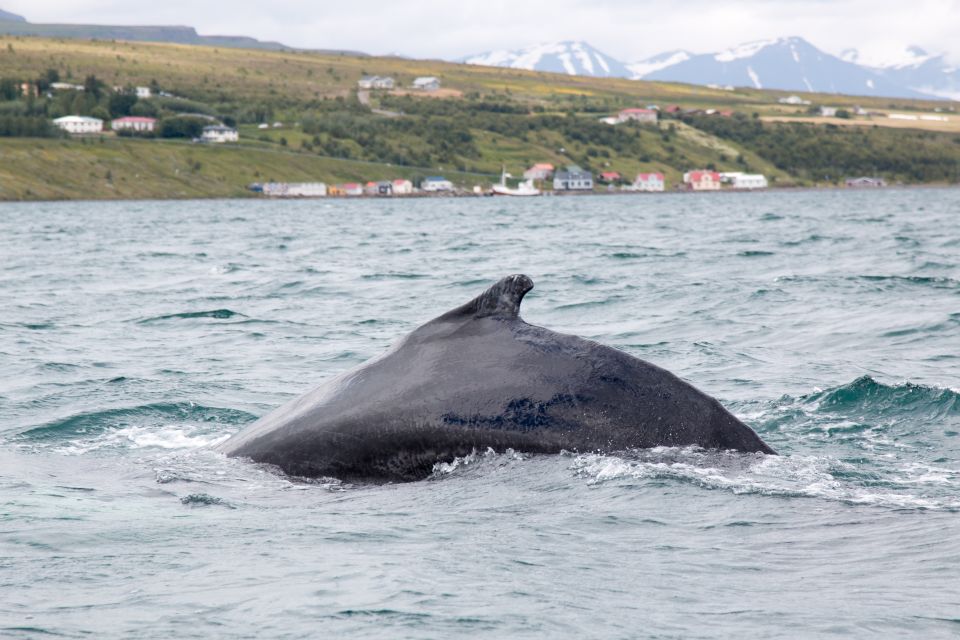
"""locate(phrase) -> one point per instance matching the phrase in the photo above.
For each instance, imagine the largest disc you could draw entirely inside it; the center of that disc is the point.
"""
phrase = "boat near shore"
(525, 188)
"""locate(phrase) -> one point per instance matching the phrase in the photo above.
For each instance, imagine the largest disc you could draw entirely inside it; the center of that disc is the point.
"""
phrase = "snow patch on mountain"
(745, 50)
(570, 57)
(657, 62)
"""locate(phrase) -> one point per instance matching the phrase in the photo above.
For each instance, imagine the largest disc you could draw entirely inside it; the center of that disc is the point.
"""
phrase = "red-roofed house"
(639, 115)
(539, 171)
(134, 123)
(648, 182)
(702, 180)
(674, 108)
(402, 187)
(609, 176)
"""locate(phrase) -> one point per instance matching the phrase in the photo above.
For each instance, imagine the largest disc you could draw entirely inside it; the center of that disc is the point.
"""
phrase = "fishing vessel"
(525, 188)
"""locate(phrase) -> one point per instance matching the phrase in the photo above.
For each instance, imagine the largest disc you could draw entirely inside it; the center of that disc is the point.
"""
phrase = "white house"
(143, 92)
(426, 83)
(436, 183)
(648, 182)
(702, 180)
(295, 189)
(793, 100)
(828, 112)
(66, 86)
(638, 115)
(134, 123)
(219, 133)
(375, 82)
(402, 187)
(79, 124)
(749, 181)
(539, 171)
(573, 178)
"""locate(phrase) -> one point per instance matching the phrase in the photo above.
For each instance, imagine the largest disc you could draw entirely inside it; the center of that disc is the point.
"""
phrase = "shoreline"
(486, 195)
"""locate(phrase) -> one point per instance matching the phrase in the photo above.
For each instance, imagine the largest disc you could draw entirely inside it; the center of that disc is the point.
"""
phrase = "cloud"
(624, 29)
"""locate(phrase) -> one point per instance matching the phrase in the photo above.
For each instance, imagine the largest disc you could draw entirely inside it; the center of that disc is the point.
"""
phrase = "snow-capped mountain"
(571, 57)
(915, 68)
(790, 64)
(657, 62)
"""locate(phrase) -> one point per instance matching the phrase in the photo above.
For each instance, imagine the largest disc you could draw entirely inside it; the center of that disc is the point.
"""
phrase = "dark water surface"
(135, 334)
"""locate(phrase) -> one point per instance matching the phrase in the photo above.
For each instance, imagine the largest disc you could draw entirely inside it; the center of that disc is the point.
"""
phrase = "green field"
(483, 118)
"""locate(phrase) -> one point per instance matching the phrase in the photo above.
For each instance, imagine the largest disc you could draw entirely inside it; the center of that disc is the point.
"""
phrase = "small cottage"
(402, 187)
(648, 116)
(219, 133)
(136, 124)
(573, 178)
(375, 82)
(79, 125)
(702, 180)
(436, 183)
(648, 182)
(539, 171)
(426, 83)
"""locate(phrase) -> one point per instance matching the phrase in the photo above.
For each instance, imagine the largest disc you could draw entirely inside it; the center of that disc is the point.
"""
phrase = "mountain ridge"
(786, 63)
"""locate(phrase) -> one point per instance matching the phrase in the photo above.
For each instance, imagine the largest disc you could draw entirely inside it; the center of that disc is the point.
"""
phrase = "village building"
(28, 89)
(702, 180)
(143, 92)
(384, 188)
(436, 183)
(375, 82)
(673, 108)
(573, 178)
(749, 181)
(218, 133)
(79, 125)
(371, 189)
(426, 83)
(865, 182)
(539, 171)
(649, 182)
(352, 189)
(796, 100)
(66, 86)
(295, 189)
(638, 115)
(402, 187)
(828, 112)
(610, 176)
(134, 123)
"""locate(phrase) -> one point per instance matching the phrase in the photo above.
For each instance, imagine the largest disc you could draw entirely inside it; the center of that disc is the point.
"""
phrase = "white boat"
(525, 188)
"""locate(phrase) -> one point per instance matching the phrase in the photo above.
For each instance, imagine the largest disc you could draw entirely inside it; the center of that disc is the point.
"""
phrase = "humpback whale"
(479, 377)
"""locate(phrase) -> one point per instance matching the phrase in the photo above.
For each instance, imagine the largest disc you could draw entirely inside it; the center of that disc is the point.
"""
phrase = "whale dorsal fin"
(502, 300)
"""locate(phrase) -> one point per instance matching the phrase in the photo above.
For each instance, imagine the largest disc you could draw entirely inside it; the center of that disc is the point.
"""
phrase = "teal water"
(133, 335)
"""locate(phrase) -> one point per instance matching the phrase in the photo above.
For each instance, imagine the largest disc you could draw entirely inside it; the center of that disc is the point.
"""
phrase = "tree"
(121, 104)
(9, 89)
(94, 87)
(182, 127)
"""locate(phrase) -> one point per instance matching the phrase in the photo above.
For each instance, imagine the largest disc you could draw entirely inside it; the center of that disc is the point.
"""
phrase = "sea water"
(134, 335)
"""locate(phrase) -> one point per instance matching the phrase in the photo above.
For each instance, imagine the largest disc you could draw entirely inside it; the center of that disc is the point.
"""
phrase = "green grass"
(120, 168)
(319, 91)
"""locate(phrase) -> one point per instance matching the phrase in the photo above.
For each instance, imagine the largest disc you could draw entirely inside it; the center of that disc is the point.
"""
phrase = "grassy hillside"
(484, 118)
(32, 168)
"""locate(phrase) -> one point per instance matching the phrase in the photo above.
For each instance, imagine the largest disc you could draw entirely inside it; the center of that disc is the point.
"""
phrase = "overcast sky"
(627, 30)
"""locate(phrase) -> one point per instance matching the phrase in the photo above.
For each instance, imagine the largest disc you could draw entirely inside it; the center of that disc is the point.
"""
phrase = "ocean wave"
(866, 397)
(217, 314)
(796, 476)
(180, 425)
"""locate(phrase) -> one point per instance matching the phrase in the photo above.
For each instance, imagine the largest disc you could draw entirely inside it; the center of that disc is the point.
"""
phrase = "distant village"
(541, 178)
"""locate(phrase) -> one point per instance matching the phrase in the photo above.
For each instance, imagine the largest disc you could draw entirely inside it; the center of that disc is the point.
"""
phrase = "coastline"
(470, 196)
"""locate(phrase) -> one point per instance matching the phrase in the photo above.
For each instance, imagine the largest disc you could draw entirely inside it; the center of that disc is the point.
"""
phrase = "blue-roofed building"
(436, 183)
